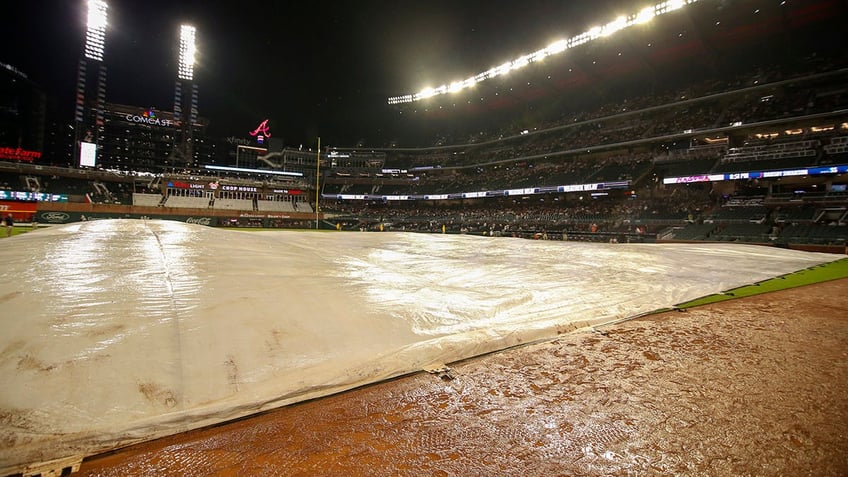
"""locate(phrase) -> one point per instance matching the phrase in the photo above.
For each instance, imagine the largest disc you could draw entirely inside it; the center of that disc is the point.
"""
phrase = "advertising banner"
(19, 210)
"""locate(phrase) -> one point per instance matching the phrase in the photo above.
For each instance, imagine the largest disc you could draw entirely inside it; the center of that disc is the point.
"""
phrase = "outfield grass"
(817, 274)
(16, 230)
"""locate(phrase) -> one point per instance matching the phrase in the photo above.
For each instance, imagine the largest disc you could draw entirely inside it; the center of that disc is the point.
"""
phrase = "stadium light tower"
(183, 151)
(95, 37)
(95, 45)
(187, 51)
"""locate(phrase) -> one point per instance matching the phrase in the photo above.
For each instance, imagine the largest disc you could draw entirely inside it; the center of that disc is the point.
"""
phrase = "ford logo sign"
(55, 217)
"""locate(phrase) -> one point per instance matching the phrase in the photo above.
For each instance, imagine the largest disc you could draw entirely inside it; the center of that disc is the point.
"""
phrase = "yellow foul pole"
(317, 179)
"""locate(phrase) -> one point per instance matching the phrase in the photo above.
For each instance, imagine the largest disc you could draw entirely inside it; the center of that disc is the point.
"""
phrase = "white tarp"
(123, 330)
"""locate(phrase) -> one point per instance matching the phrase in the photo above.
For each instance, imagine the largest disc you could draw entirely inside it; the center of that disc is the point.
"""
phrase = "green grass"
(15, 231)
(817, 274)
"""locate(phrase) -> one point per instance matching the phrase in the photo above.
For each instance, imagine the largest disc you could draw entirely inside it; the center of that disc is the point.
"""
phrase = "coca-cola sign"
(199, 220)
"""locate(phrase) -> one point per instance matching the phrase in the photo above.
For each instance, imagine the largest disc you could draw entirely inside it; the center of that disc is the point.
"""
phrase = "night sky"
(317, 68)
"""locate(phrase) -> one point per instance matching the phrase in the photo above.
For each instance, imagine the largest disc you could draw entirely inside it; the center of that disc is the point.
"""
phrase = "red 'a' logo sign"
(262, 129)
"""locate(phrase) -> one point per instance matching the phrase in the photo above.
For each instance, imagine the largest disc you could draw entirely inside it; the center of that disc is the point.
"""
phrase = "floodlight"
(427, 92)
(578, 40)
(521, 62)
(675, 5)
(539, 55)
(670, 6)
(645, 15)
(457, 86)
(594, 32)
(614, 26)
(95, 36)
(187, 52)
(406, 98)
(557, 47)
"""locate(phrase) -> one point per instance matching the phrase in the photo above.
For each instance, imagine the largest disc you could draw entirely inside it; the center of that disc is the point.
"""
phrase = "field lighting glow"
(187, 53)
(95, 36)
(643, 16)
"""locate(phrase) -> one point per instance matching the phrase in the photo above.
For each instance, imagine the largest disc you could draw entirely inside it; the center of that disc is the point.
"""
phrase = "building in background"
(144, 139)
(23, 116)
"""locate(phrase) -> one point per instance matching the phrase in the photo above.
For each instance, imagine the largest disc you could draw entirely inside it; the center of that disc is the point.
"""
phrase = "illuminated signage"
(598, 186)
(239, 188)
(735, 176)
(256, 171)
(261, 132)
(148, 117)
(18, 154)
(529, 191)
(796, 172)
(155, 121)
(199, 220)
(595, 186)
(184, 185)
(88, 154)
(37, 196)
(238, 141)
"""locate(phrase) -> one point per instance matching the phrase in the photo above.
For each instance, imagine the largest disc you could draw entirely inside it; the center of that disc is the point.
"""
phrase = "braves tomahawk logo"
(262, 130)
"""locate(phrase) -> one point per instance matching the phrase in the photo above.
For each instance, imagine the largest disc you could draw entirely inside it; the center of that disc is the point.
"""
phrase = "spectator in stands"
(10, 222)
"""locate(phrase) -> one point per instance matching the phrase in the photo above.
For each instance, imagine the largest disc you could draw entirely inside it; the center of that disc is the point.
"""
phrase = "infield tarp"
(118, 331)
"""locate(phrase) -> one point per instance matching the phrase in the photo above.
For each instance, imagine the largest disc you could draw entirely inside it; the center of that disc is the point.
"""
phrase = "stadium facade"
(23, 116)
(635, 150)
(148, 139)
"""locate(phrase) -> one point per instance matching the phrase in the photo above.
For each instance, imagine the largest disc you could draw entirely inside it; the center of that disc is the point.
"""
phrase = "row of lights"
(643, 16)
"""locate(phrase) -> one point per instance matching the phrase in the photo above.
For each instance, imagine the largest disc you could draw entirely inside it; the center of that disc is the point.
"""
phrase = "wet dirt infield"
(755, 386)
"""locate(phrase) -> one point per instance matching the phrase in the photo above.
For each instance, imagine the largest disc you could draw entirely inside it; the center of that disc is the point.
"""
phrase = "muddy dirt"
(755, 386)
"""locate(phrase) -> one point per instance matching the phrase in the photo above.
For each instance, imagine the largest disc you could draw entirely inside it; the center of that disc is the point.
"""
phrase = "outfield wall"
(840, 249)
(67, 212)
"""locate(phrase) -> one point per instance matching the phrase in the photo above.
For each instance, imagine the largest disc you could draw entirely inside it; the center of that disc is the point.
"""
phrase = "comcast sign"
(148, 117)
